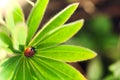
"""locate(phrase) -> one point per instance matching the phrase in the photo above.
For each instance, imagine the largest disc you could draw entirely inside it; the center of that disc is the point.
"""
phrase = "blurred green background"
(99, 33)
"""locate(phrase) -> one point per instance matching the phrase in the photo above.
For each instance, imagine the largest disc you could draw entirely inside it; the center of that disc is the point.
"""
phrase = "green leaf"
(66, 53)
(55, 22)
(9, 20)
(22, 71)
(4, 29)
(16, 68)
(14, 16)
(35, 17)
(55, 70)
(18, 14)
(36, 74)
(5, 40)
(20, 34)
(7, 68)
(37, 68)
(61, 34)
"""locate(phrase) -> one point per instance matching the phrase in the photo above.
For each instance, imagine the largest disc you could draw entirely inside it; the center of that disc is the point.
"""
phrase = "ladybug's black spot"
(29, 52)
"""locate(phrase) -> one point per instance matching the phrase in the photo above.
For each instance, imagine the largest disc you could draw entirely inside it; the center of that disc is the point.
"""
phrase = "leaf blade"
(14, 16)
(61, 34)
(20, 33)
(7, 68)
(67, 53)
(35, 17)
(61, 70)
(18, 14)
(22, 71)
(56, 21)
(5, 40)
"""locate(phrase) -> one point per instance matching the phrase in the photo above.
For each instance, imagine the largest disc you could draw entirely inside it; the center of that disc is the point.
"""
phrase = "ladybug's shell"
(29, 52)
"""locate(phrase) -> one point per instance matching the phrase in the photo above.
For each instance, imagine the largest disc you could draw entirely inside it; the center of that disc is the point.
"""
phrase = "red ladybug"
(29, 52)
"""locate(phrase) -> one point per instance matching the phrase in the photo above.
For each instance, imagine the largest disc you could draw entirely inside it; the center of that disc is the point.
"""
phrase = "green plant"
(40, 56)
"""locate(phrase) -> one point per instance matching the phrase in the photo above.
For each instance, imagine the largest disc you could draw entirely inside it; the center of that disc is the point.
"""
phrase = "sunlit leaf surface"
(48, 58)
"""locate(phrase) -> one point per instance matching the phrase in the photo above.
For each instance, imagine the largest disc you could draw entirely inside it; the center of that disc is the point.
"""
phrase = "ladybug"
(29, 52)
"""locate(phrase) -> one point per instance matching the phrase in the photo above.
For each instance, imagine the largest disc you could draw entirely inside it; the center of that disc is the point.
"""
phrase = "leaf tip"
(75, 4)
(94, 54)
(81, 23)
(82, 20)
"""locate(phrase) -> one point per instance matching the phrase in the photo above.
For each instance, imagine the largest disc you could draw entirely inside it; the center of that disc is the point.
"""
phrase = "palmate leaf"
(47, 61)
(67, 53)
(58, 20)
(35, 17)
